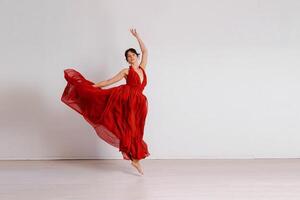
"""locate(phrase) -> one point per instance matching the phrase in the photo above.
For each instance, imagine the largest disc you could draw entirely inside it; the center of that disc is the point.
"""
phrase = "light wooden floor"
(203, 179)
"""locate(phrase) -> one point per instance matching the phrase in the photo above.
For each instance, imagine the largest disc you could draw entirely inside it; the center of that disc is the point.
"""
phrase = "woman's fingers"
(134, 32)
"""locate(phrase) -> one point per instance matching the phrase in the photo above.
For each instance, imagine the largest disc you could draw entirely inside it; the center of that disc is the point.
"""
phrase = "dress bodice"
(134, 80)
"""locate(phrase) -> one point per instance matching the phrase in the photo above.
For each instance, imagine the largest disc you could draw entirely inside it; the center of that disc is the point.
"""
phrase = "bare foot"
(137, 165)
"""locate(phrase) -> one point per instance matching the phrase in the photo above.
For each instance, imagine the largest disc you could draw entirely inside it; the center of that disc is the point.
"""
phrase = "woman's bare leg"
(137, 165)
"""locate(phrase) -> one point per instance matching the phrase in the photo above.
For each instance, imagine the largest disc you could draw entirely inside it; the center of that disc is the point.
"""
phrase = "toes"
(138, 167)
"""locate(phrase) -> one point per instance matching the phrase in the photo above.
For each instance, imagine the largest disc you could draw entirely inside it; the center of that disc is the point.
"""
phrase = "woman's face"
(131, 57)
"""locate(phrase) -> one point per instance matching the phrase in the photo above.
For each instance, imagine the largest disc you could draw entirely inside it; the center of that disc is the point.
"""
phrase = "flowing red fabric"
(117, 114)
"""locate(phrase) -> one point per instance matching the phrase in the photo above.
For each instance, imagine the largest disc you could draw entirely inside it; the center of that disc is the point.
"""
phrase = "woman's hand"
(134, 33)
(95, 85)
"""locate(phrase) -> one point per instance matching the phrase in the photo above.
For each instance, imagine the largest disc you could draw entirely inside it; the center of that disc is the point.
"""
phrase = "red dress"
(117, 114)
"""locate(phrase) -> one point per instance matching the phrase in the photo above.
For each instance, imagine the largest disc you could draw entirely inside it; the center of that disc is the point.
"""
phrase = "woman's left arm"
(143, 47)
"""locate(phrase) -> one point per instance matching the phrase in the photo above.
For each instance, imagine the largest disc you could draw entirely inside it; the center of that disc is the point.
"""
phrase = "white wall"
(223, 76)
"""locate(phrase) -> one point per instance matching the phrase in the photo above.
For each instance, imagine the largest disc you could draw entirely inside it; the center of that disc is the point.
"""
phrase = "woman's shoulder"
(125, 70)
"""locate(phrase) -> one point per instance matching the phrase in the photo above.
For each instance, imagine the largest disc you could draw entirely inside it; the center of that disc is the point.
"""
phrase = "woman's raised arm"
(144, 50)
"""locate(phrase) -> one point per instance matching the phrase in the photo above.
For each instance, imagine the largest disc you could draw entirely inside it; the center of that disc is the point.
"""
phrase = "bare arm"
(121, 74)
(144, 50)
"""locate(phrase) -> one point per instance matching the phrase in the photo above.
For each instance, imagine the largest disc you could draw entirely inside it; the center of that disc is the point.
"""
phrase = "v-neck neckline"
(138, 74)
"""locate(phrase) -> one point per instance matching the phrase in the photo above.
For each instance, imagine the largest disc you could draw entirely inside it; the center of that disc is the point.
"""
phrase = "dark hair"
(131, 50)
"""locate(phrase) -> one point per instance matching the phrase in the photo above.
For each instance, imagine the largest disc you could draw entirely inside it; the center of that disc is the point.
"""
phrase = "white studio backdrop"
(223, 76)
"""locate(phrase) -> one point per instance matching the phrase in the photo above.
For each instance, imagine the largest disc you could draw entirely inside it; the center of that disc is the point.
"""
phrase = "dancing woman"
(118, 114)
